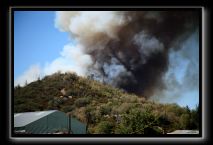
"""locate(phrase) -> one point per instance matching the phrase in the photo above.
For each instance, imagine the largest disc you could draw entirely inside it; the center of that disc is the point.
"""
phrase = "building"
(184, 132)
(44, 122)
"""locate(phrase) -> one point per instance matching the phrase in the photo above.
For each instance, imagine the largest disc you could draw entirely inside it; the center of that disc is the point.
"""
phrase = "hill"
(104, 108)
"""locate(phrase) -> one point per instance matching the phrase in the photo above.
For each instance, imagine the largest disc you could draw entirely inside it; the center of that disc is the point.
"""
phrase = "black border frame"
(102, 9)
(62, 3)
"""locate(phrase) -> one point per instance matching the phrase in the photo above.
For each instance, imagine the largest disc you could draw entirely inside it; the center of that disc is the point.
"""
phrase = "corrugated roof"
(184, 132)
(22, 119)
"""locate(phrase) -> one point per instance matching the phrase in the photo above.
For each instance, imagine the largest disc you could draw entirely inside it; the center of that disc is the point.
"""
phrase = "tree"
(18, 87)
(137, 122)
(164, 122)
(194, 120)
(188, 111)
(185, 121)
(26, 83)
(91, 76)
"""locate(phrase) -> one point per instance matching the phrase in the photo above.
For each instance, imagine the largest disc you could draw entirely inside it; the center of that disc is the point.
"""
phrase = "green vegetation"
(105, 109)
(137, 122)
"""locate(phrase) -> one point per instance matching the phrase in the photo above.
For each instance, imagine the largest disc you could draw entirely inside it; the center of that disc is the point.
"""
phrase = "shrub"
(90, 114)
(105, 109)
(155, 130)
(104, 127)
(164, 122)
(68, 108)
(81, 102)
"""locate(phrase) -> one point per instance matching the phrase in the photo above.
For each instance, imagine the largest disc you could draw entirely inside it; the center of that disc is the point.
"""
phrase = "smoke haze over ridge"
(131, 50)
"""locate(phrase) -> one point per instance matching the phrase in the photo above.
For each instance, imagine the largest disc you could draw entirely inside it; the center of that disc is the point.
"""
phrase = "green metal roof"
(22, 119)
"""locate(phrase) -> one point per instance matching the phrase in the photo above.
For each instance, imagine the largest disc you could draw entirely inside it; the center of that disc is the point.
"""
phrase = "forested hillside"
(104, 108)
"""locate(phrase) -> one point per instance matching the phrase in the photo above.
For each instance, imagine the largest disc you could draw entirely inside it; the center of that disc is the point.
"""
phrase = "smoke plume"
(129, 49)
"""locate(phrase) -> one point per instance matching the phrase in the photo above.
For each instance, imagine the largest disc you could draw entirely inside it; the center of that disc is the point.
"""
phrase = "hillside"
(105, 109)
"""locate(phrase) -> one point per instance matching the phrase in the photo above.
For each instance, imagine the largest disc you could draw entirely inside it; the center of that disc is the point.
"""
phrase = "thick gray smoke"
(182, 78)
(130, 50)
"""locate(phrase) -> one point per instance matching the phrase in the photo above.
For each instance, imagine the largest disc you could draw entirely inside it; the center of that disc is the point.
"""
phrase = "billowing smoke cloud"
(182, 78)
(71, 59)
(130, 50)
(30, 75)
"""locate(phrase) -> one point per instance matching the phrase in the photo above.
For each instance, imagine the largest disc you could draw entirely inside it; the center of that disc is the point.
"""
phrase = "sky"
(41, 49)
(36, 39)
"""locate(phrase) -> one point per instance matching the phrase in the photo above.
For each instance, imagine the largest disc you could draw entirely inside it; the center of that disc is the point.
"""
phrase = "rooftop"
(22, 119)
(184, 132)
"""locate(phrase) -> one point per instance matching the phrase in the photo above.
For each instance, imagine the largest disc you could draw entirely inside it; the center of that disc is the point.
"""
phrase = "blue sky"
(36, 39)
(40, 48)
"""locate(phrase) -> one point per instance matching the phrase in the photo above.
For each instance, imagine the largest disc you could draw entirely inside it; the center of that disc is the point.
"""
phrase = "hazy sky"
(41, 49)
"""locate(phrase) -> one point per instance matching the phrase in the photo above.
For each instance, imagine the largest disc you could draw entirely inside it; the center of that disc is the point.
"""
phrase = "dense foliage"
(104, 108)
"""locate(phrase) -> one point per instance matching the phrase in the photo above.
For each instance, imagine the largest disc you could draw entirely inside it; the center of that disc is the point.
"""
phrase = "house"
(45, 122)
